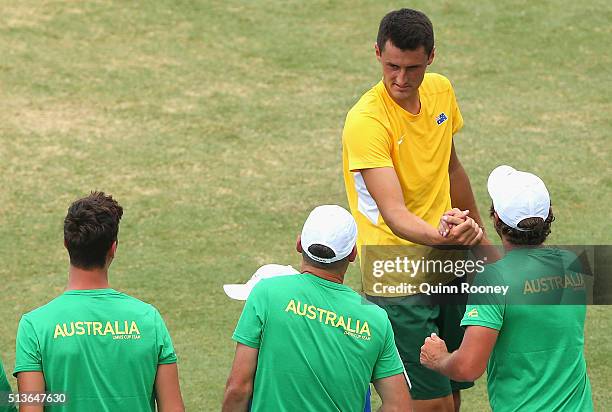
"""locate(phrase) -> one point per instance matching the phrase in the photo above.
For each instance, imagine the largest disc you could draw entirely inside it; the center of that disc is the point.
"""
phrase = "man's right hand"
(458, 228)
(450, 219)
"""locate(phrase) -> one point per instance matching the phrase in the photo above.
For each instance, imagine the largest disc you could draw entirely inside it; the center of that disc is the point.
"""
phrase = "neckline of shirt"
(90, 292)
(409, 116)
(325, 282)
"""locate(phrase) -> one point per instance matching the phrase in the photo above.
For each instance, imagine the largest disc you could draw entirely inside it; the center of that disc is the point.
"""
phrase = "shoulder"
(136, 305)
(371, 104)
(372, 312)
(43, 311)
(570, 260)
(435, 83)
(278, 282)
(58, 307)
(492, 274)
(275, 286)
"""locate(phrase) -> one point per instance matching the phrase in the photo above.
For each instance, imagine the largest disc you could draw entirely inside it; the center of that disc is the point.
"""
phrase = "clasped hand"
(459, 229)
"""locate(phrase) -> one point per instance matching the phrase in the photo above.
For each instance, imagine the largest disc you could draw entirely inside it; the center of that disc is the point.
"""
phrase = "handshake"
(457, 228)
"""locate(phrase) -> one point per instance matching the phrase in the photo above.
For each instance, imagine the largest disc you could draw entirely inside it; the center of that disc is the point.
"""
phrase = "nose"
(402, 77)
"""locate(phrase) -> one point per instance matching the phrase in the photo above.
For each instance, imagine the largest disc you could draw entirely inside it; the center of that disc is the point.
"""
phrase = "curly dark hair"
(90, 228)
(407, 29)
(535, 233)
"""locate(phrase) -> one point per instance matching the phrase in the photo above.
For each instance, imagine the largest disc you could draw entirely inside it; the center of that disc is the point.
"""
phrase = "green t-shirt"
(538, 360)
(100, 347)
(320, 344)
(5, 389)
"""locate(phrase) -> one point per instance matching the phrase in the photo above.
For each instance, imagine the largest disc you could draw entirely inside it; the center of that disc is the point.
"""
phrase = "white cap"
(242, 291)
(331, 226)
(517, 195)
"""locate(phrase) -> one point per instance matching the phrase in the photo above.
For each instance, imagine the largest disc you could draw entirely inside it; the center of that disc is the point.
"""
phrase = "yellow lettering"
(348, 325)
(118, 331)
(311, 312)
(528, 288)
(58, 331)
(362, 328)
(109, 329)
(291, 307)
(303, 311)
(134, 329)
(97, 327)
(544, 284)
(331, 317)
(80, 330)
(365, 329)
(88, 327)
(71, 329)
(536, 285)
(321, 311)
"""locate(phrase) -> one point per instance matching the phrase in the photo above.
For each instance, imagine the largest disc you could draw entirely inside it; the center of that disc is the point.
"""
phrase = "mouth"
(401, 88)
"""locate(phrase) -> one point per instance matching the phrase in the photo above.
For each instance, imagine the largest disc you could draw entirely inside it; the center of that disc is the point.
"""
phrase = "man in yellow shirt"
(403, 179)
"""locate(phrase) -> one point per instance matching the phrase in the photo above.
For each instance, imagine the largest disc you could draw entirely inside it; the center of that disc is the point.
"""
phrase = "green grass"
(217, 126)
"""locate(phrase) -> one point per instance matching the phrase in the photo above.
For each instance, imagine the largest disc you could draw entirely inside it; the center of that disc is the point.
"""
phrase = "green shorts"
(412, 323)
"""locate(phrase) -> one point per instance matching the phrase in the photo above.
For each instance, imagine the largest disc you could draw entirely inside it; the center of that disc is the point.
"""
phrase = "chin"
(400, 94)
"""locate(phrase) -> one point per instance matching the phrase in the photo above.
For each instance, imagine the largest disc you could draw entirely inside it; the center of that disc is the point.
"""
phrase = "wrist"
(434, 238)
(441, 364)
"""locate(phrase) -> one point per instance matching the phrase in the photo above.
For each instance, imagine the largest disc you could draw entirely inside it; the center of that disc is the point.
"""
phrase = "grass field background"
(217, 126)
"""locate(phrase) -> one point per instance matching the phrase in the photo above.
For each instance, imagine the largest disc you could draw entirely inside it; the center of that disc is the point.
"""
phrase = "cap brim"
(272, 270)
(237, 292)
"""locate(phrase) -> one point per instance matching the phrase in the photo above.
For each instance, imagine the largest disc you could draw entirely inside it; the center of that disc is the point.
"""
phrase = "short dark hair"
(324, 252)
(407, 29)
(535, 233)
(90, 228)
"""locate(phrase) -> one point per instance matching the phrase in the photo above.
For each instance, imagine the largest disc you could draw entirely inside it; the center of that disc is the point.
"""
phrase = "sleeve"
(367, 142)
(485, 309)
(28, 356)
(457, 118)
(253, 318)
(165, 348)
(388, 362)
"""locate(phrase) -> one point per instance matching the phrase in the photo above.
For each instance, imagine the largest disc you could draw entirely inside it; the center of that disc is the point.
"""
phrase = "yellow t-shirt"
(379, 133)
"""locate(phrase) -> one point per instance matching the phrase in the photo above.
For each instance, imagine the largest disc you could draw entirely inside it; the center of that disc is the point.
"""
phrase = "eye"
(393, 66)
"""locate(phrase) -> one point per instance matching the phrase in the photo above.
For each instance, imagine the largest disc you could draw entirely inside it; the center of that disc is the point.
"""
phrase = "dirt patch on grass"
(19, 14)
(47, 118)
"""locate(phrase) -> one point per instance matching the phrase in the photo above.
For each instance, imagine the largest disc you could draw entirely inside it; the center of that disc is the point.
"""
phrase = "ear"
(298, 245)
(353, 254)
(431, 56)
(495, 217)
(377, 51)
(113, 249)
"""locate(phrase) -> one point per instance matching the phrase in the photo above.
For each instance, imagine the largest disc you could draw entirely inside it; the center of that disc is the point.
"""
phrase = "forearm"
(457, 367)
(236, 400)
(394, 395)
(31, 382)
(462, 196)
(409, 226)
